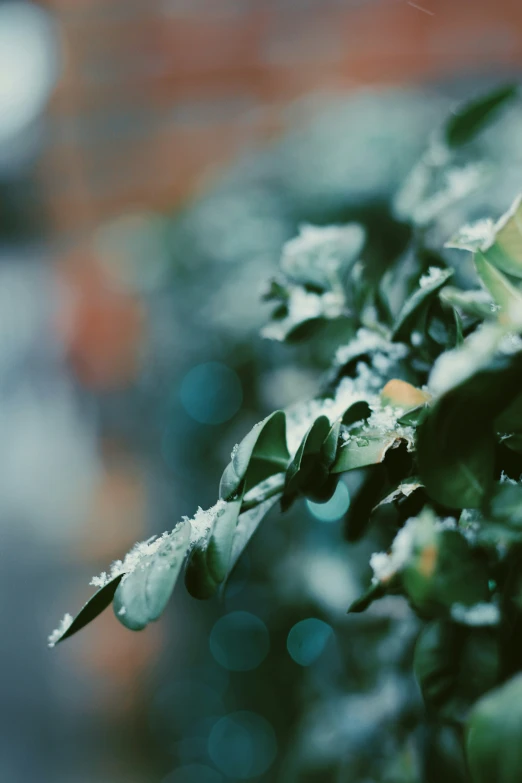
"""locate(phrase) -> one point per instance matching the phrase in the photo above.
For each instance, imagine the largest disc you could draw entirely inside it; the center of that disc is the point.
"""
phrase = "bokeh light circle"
(194, 773)
(211, 393)
(29, 64)
(239, 641)
(333, 509)
(242, 745)
(182, 709)
(307, 640)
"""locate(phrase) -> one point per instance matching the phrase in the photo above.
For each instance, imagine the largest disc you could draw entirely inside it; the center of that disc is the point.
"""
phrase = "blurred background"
(154, 157)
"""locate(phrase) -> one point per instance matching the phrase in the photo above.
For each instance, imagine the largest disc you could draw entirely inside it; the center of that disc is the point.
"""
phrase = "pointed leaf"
(506, 296)
(506, 251)
(472, 116)
(417, 301)
(94, 606)
(303, 470)
(219, 548)
(260, 454)
(373, 593)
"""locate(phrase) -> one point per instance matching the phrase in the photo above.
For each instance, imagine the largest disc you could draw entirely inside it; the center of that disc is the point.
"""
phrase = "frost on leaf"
(64, 626)
(474, 236)
(386, 565)
(434, 275)
(200, 526)
(202, 521)
(363, 387)
(318, 254)
(454, 367)
(302, 306)
(383, 353)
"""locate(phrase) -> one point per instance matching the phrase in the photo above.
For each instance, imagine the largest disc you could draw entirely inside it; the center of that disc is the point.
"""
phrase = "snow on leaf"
(202, 521)
(474, 236)
(387, 565)
(56, 635)
(434, 275)
(454, 367)
(318, 253)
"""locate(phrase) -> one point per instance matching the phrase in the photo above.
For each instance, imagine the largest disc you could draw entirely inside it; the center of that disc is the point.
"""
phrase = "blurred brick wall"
(156, 93)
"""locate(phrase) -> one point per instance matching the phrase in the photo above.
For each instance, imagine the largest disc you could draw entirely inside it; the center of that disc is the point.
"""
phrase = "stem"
(264, 491)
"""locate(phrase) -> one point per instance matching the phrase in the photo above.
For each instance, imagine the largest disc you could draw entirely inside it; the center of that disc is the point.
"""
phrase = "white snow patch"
(318, 252)
(57, 634)
(510, 343)
(479, 235)
(202, 521)
(386, 565)
(479, 614)
(433, 276)
(455, 366)
(368, 341)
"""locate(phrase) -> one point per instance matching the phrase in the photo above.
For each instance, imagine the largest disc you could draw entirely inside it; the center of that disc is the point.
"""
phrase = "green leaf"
(198, 580)
(506, 296)
(143, 594)
(456, 440)
(506, 251)
(373, 593)
(506, 504)
(493, 746)
(365, 447)
(456, 463)
(303, 471)
(476, 303)
(510, 420)
(260, 454)
(472, 116)
(509, 425)
(219, 547)
(94, 606)
(454, 666)
(499, 243)
(324, 483)
(330, 446)
(442, 569)
(420, 299)
(209, 561)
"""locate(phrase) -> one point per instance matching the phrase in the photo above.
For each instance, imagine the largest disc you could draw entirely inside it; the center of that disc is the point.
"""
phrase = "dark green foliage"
(423, 410)
(455, 665)
(493, 732)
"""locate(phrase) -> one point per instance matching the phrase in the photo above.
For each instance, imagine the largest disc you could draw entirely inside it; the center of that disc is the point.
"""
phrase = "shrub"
(424, 398)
